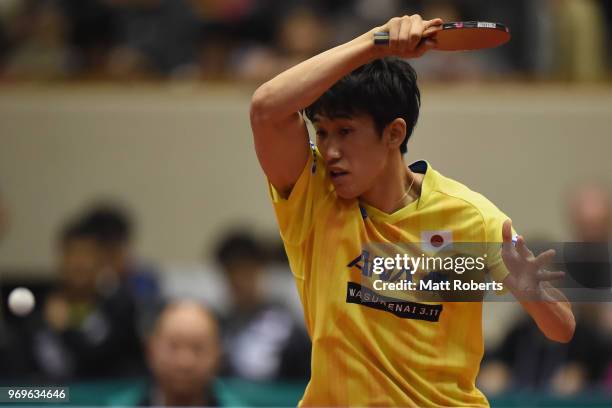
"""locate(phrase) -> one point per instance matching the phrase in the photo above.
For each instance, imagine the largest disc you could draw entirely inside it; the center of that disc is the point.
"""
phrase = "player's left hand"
(527, 274)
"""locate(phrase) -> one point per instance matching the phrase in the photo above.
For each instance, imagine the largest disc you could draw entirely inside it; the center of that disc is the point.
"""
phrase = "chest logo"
(361, 295)
(434, 241)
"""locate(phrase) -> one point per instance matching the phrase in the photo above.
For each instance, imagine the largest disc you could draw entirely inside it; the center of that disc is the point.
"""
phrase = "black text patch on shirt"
(357, 294)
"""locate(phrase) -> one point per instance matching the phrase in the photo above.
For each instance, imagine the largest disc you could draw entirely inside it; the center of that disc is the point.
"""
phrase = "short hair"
(110, 223)
(385, 89)
(74, 230)
(239, 246)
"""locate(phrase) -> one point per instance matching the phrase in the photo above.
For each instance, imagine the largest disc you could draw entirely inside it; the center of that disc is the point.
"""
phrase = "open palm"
(527, 273)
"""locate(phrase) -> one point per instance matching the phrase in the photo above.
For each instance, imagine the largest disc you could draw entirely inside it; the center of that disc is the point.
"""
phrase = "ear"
(395, 133)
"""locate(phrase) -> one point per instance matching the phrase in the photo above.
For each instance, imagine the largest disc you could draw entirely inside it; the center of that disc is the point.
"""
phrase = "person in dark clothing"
(526, 360)
(114, 229)
(82, 333)
(532, 363)
(13, 359)
(261, 339)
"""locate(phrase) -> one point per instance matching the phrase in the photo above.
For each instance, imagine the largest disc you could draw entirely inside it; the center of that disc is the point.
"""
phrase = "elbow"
(565, 333)
(564, 337)
(261, 110)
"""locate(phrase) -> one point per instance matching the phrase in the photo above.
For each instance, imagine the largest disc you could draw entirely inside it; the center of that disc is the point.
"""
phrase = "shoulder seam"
(484, 223)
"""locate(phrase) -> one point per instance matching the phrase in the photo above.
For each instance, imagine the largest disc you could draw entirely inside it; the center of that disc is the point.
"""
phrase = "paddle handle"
(382, 37)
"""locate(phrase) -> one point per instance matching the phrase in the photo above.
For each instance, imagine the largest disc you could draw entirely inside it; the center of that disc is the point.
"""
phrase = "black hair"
(110, 223)
(239, 246)
(385, 89)
(76, 229)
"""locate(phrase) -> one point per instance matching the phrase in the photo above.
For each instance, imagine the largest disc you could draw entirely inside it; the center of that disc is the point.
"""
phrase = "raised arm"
(281, 138)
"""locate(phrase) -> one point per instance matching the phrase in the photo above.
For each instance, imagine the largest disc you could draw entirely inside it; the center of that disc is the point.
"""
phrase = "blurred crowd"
(106, 316)
(527, 361)
(255, 39)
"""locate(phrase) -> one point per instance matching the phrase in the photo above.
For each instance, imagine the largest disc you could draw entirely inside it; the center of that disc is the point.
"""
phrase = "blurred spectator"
(254, 39)
(607, 8)
(580, 34)
(93, 33)
(113, 229)
(300, 35)
(158, 37)
(183, 352)
(526, 359)
(82, 333)
(590, 213)
(231, 28)
(41, 50)
(13, 356)
(261, 339)
(451, 66)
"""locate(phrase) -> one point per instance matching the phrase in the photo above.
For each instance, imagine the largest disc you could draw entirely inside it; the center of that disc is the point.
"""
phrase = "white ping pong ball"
(21, 301)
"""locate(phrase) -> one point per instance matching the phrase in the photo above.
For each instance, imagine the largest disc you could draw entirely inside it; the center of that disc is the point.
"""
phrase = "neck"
(391, 190)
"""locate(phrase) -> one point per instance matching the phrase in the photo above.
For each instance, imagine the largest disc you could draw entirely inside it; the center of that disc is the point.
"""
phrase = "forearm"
(280, 132)
(298, 87)
(553, 314)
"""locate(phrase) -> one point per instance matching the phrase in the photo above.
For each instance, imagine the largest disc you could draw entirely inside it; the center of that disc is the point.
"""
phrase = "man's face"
(80, 263)
(591, 214)
(184, 351)
(244, 278)
(117, 257)
(353, 150)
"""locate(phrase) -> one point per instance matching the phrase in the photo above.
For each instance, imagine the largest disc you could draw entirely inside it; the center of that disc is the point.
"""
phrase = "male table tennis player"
(352, 189)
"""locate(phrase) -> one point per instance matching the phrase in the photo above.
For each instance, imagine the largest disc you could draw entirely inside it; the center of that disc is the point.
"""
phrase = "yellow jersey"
(382, 353)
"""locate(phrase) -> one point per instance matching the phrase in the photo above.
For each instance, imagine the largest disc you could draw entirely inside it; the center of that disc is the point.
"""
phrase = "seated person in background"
(261, 339)
(13, 359)
(525, 360)
(183, 354)
(82, 333)
(590, 213)
(113, 228)
(589, 210)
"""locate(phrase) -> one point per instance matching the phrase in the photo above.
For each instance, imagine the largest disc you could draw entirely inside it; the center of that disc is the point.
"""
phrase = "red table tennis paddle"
(463, 36)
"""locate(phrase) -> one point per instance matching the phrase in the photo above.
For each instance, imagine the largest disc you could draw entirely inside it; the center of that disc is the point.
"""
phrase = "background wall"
(182, 158)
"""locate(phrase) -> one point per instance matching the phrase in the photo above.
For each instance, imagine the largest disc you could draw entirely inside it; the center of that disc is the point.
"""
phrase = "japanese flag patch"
(434, 241)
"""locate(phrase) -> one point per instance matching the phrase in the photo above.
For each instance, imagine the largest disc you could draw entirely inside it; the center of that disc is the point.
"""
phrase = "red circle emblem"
(437, 241)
